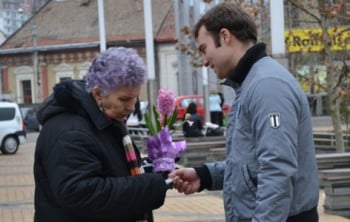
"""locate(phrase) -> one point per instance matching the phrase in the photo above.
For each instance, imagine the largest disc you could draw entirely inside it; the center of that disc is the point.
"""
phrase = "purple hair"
(118, 66)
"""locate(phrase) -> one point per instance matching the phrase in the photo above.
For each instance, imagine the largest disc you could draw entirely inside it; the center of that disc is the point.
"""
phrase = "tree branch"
(295, 4)
(343, 74)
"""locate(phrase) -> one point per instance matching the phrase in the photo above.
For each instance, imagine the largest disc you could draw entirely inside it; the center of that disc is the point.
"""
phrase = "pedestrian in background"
(216, 112)
(270, 171)
(221, 116)
(192, 125)
(85, 166)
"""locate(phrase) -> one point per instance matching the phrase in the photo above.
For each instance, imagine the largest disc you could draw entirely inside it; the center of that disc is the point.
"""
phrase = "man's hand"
(185, 180)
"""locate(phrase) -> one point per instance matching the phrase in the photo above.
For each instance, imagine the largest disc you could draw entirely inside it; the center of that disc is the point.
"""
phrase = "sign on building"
(310, 40)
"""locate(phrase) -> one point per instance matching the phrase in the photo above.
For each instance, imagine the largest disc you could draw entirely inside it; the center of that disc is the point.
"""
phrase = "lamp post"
(20, 12)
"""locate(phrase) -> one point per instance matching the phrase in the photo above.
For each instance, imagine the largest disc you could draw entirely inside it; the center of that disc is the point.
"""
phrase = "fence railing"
(325, 142)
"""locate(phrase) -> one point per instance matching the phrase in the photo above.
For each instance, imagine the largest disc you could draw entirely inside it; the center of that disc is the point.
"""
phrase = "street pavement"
(17, 195)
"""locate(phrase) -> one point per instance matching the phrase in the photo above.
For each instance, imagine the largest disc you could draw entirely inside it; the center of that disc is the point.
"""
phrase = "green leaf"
(171, 120)
(149, 124)
(156, 117)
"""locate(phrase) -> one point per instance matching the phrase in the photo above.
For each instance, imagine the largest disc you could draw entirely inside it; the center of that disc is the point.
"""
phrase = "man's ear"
(225, 36)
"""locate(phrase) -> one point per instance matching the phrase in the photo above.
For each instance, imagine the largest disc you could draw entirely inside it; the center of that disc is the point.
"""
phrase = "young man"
(270, 171)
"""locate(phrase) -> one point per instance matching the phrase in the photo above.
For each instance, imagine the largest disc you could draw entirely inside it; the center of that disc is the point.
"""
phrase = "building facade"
(65, 46)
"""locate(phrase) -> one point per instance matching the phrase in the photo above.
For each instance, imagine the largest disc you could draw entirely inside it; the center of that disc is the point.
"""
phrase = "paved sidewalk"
(17, 185)
(17, 194)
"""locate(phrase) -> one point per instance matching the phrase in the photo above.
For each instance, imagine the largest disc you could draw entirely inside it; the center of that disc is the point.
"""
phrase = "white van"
(12, 128)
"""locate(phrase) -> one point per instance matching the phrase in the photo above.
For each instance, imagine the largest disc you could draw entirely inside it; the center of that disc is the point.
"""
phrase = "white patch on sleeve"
(275, 120)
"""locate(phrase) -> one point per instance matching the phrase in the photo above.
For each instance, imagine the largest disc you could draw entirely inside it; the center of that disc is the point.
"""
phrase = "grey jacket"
(270, 170)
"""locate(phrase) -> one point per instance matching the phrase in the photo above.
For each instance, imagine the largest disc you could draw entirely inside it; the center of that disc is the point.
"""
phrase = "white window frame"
(63, 70)
(83, 69)
(23, 73)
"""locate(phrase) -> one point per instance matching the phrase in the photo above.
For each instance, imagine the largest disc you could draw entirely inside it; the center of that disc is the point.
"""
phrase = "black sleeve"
(204, 176)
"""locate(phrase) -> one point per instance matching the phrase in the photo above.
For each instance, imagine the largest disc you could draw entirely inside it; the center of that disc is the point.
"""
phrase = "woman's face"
(119, 102)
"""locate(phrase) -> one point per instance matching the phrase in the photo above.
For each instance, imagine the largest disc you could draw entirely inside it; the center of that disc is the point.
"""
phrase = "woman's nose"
(131, 108)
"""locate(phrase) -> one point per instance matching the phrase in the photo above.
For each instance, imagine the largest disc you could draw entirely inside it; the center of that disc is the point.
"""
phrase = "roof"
(76, 21)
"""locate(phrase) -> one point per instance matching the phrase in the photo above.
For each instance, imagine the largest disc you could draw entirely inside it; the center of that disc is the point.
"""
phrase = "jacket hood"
(70, 96)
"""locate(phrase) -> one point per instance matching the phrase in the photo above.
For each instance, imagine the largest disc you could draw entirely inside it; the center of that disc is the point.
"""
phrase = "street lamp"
(20, 13)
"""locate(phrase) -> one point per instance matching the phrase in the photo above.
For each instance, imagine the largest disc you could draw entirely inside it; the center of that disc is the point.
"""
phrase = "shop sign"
(310, 40)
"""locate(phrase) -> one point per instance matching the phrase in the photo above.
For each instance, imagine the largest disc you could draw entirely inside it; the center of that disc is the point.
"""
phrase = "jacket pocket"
(249, 172)
(237, 218)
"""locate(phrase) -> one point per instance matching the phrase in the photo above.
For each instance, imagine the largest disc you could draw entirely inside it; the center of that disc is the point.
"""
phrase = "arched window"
(64, 71)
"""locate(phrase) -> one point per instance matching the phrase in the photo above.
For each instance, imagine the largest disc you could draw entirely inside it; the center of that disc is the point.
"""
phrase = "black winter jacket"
(80, 169)
(195, 128)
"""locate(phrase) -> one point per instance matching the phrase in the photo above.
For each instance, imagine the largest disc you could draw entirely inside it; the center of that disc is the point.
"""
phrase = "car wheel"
(9, 145)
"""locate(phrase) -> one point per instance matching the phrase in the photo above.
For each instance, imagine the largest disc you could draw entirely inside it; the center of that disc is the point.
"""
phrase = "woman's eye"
(125, 100)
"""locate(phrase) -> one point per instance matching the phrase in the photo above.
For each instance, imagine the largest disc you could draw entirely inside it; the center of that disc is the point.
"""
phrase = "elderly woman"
(82, 169)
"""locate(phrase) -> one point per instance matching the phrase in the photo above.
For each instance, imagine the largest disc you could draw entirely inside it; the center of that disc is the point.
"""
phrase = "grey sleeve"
(217, 171)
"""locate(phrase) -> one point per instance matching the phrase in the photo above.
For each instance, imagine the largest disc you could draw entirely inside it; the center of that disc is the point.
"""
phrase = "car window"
(201, 100)
(7, 113)
(186, 102)
(183, 103)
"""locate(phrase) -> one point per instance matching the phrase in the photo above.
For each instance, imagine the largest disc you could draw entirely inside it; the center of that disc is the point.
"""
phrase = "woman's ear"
(97, 94)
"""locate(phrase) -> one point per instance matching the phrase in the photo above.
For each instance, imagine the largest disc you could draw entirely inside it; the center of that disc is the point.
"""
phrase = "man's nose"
(205, 62)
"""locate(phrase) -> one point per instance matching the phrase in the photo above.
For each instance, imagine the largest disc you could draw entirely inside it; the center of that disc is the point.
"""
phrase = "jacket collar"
(90, 106)
(71, 96)
(237, 75)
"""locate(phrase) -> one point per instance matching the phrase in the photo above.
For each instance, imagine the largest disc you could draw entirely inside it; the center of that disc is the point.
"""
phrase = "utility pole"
(277, 27)
(101, 25)
(277, 31)
(200, 9)
(37, 97)
(151, 88)
(206, 94)
(178, 22)
(182, 11)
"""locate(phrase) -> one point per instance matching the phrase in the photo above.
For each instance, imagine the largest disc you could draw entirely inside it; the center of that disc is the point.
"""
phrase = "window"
(63, 72)
(25, 86)
(186, 102)
(27, 91)
(7, 113)
(64, 78)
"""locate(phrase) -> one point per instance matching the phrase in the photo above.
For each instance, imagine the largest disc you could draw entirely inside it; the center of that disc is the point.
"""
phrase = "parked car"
(30, 119)
(12, 127)
(181, 102)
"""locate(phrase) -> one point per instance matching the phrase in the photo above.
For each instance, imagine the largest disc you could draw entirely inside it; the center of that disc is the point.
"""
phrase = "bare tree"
(330, 16)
